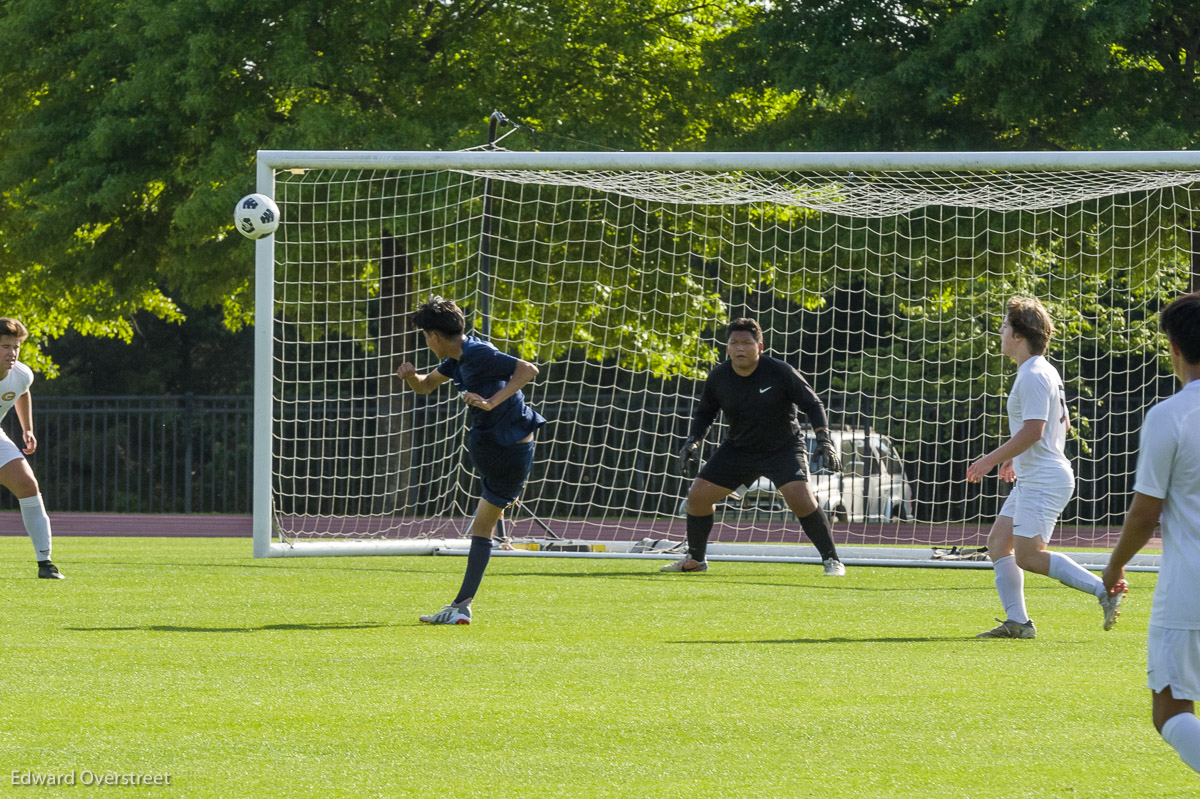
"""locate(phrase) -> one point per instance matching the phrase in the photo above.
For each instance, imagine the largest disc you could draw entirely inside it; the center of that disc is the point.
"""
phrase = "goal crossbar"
(1019, 161)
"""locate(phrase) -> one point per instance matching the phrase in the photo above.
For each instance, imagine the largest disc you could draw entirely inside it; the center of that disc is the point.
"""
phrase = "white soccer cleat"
(450, 614)
(1110, 604)
(685, 564)
(834, 567)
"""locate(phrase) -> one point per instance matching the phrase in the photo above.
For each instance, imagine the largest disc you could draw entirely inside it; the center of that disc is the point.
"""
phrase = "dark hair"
(439, 315)
(748, 325)
(11, 327)
(1030, 320)
(1181, 322)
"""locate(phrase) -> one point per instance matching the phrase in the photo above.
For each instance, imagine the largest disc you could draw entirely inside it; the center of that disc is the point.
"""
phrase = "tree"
(128, 130)
(958, 75)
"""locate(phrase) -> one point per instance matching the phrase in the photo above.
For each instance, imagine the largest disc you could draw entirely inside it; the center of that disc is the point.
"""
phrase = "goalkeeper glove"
(827, 455)
(689, 457)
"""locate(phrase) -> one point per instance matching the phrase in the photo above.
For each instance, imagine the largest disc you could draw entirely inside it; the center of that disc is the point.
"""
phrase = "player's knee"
(697, 506)
(23, 485)
(1026, 560)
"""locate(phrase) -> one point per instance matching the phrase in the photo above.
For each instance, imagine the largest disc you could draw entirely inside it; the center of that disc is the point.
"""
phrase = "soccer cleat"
(685, 564)
(834, 567)
(1011, 629)
(450, 614)
(1110, 604)
(48, 571)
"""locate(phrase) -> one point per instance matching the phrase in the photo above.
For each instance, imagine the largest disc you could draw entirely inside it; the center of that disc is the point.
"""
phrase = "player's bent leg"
(1031, 555)
(1010, 583)
(503, 471)
(487, 514)
(700, 507)
(703, 496)
(17, 476)
(1175, 719)
(1000, 537)
(798, 495)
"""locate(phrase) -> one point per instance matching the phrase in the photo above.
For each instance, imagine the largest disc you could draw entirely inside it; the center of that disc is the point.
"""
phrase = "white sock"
(1070, 573)
(1182, 732)
(1010, 585)
(37, 524)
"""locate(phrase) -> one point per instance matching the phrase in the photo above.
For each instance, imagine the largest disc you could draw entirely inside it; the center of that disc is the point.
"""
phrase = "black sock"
(816, 527)
(698, 528)
(477, 561)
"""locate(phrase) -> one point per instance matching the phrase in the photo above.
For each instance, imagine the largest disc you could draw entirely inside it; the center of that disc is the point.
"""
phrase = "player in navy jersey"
(759, 396)
(15, 473)
(500, 440)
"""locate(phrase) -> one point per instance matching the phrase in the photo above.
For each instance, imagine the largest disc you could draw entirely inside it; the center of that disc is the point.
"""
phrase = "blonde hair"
(1030, 320)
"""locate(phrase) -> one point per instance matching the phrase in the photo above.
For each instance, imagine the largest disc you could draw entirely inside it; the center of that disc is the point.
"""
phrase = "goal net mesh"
(886, 290)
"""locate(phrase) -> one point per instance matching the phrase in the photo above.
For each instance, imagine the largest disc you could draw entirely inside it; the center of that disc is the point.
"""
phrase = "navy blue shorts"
(502, 469)
(730, 467)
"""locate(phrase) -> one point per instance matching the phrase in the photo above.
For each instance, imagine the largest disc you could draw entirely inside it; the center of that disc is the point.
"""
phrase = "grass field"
(311, 677)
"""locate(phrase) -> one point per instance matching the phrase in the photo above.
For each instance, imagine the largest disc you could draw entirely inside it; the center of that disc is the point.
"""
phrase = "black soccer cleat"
(48, 571)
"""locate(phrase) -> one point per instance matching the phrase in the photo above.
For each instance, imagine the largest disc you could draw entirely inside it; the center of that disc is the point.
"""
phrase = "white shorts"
(9, 451)
(1173, 658)
(1035, 507)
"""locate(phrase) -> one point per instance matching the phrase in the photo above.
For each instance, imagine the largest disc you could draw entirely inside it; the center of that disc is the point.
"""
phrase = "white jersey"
(1038, 393)
(1169, 469)
(14, 384)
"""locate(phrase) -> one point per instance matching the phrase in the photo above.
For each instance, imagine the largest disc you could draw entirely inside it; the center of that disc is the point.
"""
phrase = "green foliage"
(129, 130)
(987, 75)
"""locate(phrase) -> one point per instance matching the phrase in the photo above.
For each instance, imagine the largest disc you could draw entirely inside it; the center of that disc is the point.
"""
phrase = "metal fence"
(141, 454)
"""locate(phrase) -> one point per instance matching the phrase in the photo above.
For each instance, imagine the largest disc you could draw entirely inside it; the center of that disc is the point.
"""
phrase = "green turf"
(311, 677)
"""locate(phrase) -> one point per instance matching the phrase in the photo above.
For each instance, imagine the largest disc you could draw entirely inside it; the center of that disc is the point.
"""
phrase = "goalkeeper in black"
(759, 396)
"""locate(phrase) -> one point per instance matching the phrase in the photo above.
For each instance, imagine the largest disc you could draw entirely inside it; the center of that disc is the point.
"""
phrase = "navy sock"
(477, 561)
(816, 527)
(698, 528)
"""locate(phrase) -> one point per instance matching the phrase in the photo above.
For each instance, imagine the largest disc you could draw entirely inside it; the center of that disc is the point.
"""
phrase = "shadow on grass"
(803, 582)
(316, 565)
(171, 628)
(913, 640)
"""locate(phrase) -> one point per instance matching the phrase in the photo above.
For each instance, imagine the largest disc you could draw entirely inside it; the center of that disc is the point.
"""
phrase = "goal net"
(882, 278)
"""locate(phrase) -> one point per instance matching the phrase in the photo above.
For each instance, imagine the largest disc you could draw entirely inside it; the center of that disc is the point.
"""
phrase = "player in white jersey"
(1167, 486)
(15, 474)
(1033, 460)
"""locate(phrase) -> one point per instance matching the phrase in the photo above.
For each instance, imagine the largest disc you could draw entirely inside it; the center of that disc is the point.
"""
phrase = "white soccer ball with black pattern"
(256, 216)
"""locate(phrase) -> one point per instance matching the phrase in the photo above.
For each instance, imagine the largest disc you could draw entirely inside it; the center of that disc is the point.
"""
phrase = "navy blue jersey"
(760, 408)
(482, 369)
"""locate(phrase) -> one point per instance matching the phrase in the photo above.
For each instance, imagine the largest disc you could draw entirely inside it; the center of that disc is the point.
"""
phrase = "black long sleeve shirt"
(760, 408)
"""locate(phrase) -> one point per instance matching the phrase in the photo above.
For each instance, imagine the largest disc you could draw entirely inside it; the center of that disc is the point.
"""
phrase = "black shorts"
(730, 467)
(502, 469)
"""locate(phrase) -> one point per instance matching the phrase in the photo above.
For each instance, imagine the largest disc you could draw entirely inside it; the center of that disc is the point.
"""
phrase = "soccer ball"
(256, 216)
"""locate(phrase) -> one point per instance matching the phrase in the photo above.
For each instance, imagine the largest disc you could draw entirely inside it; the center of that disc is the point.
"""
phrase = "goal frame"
(268, 161)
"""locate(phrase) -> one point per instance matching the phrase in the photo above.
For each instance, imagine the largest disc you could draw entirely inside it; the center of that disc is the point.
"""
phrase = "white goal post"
(881, 276)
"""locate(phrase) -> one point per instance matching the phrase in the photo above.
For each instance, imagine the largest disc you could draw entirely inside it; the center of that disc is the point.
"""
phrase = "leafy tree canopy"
(959, 75)
(128, 130)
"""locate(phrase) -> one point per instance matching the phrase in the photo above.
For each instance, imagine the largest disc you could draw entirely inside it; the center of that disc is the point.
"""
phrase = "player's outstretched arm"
(422, 384)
